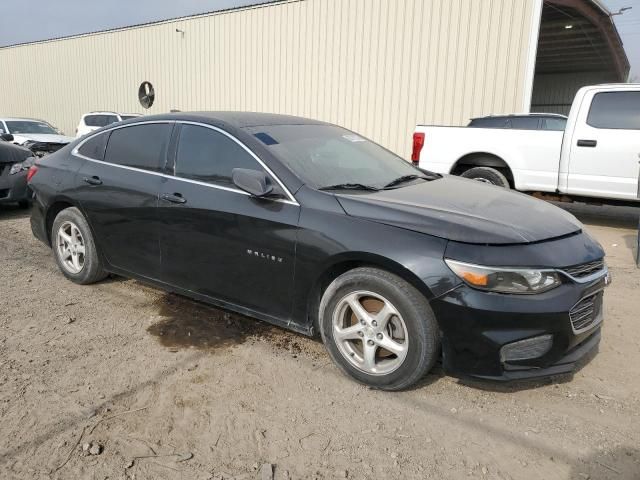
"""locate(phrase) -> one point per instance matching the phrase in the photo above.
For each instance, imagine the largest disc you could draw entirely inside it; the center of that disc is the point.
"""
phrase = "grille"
(4, 167)
(585, 269)
(586, 312)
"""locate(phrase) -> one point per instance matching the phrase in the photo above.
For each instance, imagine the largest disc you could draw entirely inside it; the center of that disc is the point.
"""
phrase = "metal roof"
(579, 36)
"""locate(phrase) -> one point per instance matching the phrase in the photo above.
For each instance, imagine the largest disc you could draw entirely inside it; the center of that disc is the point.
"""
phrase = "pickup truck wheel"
(378, 329)
(74, 248)
(487, 175)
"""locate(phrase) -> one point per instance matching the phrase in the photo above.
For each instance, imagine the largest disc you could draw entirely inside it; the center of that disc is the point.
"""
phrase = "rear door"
(219, 241)
(605, 146)
(119, 193)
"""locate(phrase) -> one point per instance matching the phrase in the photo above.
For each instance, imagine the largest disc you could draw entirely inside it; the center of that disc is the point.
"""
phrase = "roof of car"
(235, 119)
(20, 119)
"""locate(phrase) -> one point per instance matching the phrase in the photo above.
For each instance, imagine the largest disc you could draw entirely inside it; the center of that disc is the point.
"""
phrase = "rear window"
(524, 123)
(552, 123)
(615, 110)
(490, 122)
(94, 147)
(139, 146)
(99, 120)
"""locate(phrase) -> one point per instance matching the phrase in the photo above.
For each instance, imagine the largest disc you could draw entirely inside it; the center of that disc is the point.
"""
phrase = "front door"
(119, 194)
(605, 147)
(221, 242)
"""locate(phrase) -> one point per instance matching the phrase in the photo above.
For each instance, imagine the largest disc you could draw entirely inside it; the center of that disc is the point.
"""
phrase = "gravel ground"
(118, 380)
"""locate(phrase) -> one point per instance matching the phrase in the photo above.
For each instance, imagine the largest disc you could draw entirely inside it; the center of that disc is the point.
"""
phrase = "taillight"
(418, 143)
(32, 171)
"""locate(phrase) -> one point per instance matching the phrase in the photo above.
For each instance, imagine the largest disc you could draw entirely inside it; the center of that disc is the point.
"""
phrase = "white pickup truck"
(596, 156)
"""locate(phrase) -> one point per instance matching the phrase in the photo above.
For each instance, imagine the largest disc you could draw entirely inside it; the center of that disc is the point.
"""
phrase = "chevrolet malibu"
(314, 228)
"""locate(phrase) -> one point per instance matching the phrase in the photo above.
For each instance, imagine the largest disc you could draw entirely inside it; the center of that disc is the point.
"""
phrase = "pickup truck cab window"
(139, 146)
(615, 110)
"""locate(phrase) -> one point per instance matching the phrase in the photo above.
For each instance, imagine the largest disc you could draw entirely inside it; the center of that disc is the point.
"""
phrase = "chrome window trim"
(290, 201)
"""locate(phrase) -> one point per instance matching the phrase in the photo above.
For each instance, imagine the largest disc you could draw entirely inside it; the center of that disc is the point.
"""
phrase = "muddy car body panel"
(272, 257)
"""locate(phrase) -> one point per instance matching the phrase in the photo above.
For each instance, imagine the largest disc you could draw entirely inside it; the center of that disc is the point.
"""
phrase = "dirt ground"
(160, 387)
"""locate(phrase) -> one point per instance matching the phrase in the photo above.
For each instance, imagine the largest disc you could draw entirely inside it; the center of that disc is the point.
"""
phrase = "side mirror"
(7, 137)
(255, 182)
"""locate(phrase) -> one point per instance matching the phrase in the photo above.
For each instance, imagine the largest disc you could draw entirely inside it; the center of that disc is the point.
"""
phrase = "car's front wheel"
(74, 248)
(378, 328)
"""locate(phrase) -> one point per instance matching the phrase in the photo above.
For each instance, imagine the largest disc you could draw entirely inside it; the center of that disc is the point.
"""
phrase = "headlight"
(22, 166)
(505, 280)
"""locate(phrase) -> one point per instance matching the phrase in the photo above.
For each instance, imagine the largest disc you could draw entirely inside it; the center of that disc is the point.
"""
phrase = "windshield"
(17, 127)
(326, 155)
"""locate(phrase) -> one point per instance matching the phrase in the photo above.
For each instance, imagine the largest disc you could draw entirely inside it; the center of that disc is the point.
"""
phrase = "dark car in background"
(315, 228)
(15, 162)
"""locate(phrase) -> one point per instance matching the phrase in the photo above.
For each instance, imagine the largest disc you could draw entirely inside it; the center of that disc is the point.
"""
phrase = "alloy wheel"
(370, 333)
(71, 247)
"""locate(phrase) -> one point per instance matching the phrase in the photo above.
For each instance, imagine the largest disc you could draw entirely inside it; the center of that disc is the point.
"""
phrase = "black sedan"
(315, 228)
(14, 165)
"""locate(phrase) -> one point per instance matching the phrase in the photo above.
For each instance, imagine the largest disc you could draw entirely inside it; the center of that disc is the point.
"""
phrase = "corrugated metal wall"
(375, 66)
(554, 92)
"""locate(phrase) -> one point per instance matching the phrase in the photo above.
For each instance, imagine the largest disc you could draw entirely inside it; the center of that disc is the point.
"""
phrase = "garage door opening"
(578, 45)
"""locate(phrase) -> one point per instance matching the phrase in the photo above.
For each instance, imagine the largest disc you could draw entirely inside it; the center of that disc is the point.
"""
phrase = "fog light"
(526, 349)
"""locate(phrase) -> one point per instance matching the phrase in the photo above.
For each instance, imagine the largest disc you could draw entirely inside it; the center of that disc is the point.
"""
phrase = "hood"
(41, 137)
(10, 153)
(464, 211)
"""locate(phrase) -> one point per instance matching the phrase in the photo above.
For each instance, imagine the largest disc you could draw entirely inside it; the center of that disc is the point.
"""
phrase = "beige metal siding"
(375, 66)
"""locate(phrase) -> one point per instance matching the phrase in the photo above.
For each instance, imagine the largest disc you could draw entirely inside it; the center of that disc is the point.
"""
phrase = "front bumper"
(476, 325)
(13, 188)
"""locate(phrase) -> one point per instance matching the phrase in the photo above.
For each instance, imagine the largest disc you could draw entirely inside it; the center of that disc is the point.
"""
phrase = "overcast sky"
(29, 20)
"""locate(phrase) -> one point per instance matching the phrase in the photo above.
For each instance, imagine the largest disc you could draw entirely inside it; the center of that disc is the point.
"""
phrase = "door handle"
(93, 180)
(173, 197)
(587, 143)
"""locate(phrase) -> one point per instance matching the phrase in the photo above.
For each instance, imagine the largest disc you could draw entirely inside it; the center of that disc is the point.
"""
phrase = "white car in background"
(37, 135)
(94, 120)
(25, 129)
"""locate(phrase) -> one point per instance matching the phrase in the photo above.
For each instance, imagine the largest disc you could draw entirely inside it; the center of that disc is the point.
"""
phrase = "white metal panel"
(375, 66)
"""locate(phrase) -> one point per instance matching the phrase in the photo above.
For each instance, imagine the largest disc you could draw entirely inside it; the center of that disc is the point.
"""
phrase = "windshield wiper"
(350, 186)
(404, 179)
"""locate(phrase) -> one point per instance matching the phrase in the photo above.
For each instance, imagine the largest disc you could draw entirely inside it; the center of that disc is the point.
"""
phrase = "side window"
(94, 147)
(99, 120)
(209, 156)
(524, 123)
(615, 110)
(140, 146)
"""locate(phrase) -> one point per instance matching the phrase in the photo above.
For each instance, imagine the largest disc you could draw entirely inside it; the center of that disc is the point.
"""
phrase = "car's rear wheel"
(378, 328)
(487, 175)
(74, 249)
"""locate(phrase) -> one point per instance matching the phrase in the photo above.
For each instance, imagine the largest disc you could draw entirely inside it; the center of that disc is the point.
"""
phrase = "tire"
(487, 175)
(73, 225)
(411, 326)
